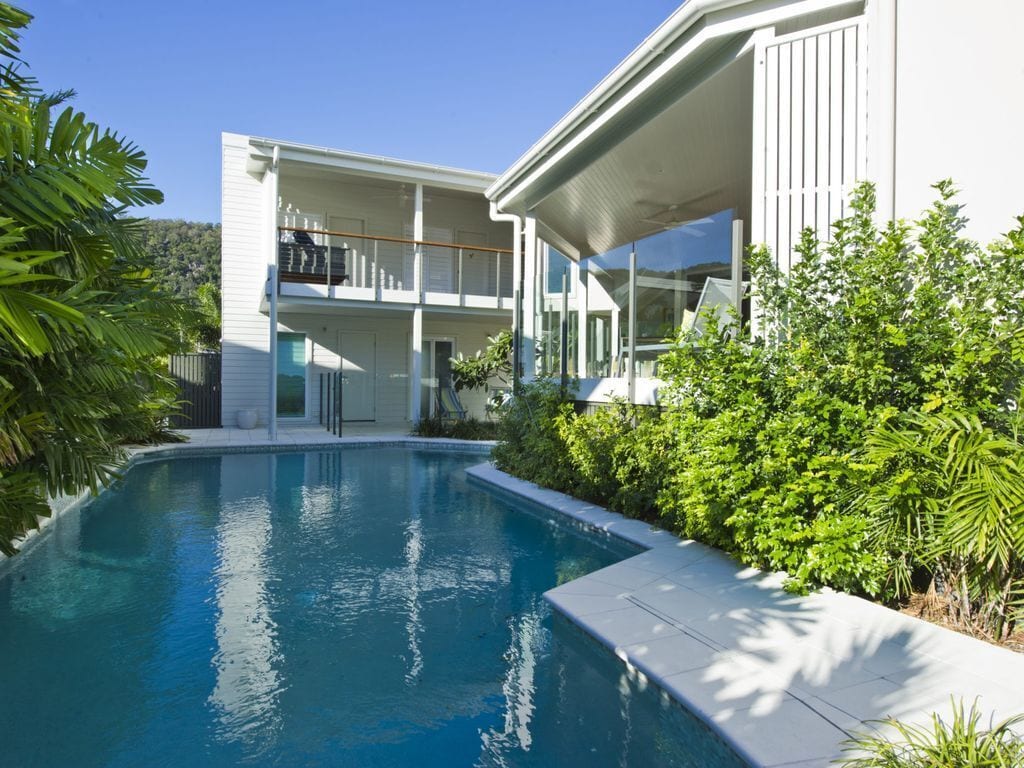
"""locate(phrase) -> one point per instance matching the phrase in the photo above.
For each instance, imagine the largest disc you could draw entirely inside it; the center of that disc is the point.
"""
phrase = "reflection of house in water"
(247, 684)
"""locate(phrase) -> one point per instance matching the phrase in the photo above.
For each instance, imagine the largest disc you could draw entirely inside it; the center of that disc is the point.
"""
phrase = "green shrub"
(617, 456)
(530, 445)
(946, 496)
(960, 743)
(768, 432)
(461, 429)
(866, 437)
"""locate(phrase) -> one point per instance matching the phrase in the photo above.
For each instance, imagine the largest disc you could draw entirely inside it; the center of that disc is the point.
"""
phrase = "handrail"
(386, 239)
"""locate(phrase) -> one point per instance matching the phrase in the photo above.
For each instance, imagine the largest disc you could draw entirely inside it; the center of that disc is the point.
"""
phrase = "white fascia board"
(378, 166)
(620, 89)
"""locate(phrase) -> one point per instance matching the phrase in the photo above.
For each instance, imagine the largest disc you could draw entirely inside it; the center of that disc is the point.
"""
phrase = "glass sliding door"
(291, 374)
(437, 372)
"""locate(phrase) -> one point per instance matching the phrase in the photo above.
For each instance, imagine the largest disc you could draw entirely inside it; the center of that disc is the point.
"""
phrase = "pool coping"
(783, 679)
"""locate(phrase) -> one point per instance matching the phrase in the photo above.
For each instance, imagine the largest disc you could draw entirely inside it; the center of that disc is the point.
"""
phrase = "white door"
(359, 368)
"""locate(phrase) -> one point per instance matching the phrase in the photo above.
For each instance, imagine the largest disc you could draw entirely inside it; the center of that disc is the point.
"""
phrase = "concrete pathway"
(784, 679)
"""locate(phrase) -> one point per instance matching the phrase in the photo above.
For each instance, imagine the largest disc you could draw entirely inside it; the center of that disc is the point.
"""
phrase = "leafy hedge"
(867, 441)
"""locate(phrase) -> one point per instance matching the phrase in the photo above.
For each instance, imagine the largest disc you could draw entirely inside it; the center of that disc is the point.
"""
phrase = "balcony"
(320, 263)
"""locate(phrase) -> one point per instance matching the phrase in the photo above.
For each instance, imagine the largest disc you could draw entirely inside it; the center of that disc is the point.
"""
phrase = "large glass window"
(291, 374)
(607, 277)
(549, 316)
(681, 274)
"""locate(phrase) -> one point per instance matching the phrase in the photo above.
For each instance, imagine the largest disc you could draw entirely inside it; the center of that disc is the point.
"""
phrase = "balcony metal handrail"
(403, 240)
(309, 261)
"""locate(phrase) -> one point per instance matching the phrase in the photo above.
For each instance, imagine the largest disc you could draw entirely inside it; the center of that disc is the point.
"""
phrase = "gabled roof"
(684, 95)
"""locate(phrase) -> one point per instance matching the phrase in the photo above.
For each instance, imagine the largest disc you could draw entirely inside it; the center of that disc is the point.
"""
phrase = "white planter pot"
(247, 418)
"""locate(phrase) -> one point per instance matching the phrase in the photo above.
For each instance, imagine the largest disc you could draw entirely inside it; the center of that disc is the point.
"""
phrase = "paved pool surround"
(784, 679)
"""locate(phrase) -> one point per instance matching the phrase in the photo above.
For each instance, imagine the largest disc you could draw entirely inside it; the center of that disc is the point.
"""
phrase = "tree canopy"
(83, 326)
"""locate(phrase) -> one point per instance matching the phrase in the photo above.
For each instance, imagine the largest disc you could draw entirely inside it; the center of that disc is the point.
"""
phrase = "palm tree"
(81, 325)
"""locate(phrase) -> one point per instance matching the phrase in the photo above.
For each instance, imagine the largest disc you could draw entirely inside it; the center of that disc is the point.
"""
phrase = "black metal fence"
(198, 378)
(332, 401)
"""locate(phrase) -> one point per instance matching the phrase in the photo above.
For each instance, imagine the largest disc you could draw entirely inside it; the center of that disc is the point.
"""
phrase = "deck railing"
(379, 264)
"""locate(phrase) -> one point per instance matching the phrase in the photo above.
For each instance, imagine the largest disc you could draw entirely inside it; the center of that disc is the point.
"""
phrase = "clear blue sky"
(467, 83)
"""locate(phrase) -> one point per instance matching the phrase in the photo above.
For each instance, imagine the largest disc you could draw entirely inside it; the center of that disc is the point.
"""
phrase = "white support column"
(416, 364)
(758, 222)
(417, 235)
(529, 318)
(631, 371)
(581, 321)
(737, 264)
(273, 255)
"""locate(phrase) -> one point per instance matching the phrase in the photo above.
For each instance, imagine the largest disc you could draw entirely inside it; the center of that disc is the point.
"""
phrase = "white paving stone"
(784, 679)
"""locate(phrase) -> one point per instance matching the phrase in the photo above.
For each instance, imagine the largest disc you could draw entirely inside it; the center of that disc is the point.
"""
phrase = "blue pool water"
(364, 607)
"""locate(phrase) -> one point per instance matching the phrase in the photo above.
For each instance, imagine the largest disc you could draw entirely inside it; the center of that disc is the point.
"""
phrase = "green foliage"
(459, 429)
(530, 444)
(478, 371)
(960, 743)
(82, 326)
(616, 456)
(184, 257)
(946, 495)
(771, 431)
(866, 438)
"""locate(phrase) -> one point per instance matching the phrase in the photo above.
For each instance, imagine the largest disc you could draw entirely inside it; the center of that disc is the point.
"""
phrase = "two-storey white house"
(376, 268)
(735, 122)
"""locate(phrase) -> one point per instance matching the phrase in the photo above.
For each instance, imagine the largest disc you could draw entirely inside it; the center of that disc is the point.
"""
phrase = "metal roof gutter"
(474, 178)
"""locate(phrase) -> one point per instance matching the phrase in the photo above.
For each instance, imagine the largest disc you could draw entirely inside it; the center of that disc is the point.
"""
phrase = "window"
(291, 374)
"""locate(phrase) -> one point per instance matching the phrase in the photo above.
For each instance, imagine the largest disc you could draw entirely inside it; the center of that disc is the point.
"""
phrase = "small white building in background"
(735, 122)
(385, 269)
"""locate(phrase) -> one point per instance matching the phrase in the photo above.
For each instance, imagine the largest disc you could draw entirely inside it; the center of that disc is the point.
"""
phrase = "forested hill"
(183, 254)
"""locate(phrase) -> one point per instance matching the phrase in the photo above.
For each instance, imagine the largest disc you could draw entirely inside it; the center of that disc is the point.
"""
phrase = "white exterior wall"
(246, 346)
(912, 92)
(247, 224)
(959, 108)
(392, 342)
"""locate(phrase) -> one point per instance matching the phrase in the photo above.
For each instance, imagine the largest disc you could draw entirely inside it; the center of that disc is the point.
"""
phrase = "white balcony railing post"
(462, 297)
(376, 275)
(497, 277)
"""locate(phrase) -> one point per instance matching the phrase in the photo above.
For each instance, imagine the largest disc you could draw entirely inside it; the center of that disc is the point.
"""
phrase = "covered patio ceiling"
(665, 138)
(692, 160)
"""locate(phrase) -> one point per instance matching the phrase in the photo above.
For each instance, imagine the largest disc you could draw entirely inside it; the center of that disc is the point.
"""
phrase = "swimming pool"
(354, 607)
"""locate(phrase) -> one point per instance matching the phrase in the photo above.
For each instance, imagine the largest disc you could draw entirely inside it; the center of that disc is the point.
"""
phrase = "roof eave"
(622, 80)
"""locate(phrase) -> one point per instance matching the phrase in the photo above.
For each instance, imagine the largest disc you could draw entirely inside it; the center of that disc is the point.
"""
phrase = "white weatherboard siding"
(244, 373)
(959, 111)
(392, 341)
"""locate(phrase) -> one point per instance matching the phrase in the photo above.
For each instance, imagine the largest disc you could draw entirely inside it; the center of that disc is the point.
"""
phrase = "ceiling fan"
(680, 213)
(404, 194)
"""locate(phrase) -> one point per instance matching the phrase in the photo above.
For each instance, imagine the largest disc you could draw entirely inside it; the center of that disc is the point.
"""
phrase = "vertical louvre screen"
(810, 136)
